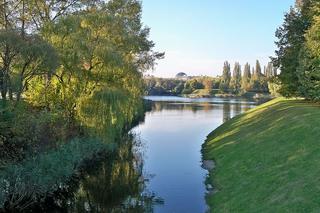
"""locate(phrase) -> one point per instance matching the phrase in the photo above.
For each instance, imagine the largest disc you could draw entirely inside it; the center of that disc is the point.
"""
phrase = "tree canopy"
(296, 55)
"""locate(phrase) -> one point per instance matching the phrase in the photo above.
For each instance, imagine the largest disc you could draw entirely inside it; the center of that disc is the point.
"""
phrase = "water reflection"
(174, 131)
(229, 109)
(172, 135)
(226, 112)
(116, 185)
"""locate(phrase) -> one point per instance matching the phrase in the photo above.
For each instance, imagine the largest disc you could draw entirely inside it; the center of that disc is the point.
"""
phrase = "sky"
(197, 36)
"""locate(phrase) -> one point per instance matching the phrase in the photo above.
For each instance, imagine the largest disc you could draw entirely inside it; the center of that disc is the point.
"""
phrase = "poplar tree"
(235, 83)
(257, 72)
(246, 78)
(226, 77)
(270, 71)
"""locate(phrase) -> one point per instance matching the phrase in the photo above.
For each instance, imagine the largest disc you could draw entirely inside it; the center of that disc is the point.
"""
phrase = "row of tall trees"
(237, 81)
(250, 80)
(298, 51)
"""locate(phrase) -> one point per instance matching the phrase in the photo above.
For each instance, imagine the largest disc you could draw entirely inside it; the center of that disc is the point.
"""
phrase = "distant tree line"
(297, 58)
(236, 82)
(174, 86)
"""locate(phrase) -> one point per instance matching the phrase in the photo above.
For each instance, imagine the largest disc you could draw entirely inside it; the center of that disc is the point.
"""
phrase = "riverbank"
(203, 93)
(216, 93)
(267, 159)
(37, 168)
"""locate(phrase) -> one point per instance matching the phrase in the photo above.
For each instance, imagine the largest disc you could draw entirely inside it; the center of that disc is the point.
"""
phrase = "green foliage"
(70, 69)
(23, 58)
(176, 86)
(270, 71)
(26, 131)
(309, 60)
(194, 84)
(226, 77)
(111, 55)
(291, 40)
(235, 83)
(246, 78)
(256, 75)
(107, 113)
(208, 83)
(274, 87)
(161, 86)
(298, 51)
(30, 180)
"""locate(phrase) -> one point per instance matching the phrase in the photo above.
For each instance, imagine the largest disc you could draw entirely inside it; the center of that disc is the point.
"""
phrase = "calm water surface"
(172, 135)
(157, 167)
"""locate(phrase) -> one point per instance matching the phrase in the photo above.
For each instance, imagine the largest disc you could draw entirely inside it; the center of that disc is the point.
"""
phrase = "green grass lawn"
(267, 160)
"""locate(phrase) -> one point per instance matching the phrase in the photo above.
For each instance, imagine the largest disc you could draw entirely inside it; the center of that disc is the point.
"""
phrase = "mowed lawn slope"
(267, 160)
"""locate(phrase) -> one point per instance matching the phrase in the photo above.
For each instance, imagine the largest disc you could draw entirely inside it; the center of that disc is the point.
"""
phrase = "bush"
(26, 183)
(25, 130)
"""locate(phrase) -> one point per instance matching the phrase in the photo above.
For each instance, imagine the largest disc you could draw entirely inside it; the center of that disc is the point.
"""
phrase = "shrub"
(25, 183)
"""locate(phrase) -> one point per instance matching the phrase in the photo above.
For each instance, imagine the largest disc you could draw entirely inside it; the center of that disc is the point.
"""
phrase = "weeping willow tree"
(103, 52)
(81, 61)
(107, 112)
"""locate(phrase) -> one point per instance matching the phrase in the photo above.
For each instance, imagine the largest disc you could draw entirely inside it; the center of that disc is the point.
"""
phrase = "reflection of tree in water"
(237, 108)
(226, 112)
(207, 107)
(194, 107)
(229, 109)
(117, 185)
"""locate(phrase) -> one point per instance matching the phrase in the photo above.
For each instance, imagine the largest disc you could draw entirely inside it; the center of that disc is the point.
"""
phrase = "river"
(157, 167)
(173, 133)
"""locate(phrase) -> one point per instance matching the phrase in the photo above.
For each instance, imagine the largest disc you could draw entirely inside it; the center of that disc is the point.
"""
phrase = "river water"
(157, 167)
(172, 135)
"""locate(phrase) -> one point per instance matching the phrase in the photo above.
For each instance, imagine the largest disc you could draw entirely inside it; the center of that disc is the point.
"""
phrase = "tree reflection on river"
(169, 149)
(173, 133)
(229, 110)
(116, 185)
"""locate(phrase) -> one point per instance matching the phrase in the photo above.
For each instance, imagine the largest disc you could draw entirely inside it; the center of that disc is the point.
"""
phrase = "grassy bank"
(267, 160)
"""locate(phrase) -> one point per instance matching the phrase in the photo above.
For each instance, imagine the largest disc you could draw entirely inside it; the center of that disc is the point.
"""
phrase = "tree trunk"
(10, 89)
(18, 96)
(4, 87)
(2, 84)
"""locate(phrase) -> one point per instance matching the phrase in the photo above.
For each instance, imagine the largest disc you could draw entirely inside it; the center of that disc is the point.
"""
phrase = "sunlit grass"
(267, 160)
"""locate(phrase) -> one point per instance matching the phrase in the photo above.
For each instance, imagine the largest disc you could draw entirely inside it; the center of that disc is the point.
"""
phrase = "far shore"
(257, 96)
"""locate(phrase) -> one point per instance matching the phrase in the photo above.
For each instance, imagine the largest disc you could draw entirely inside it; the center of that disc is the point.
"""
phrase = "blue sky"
(199, 35)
